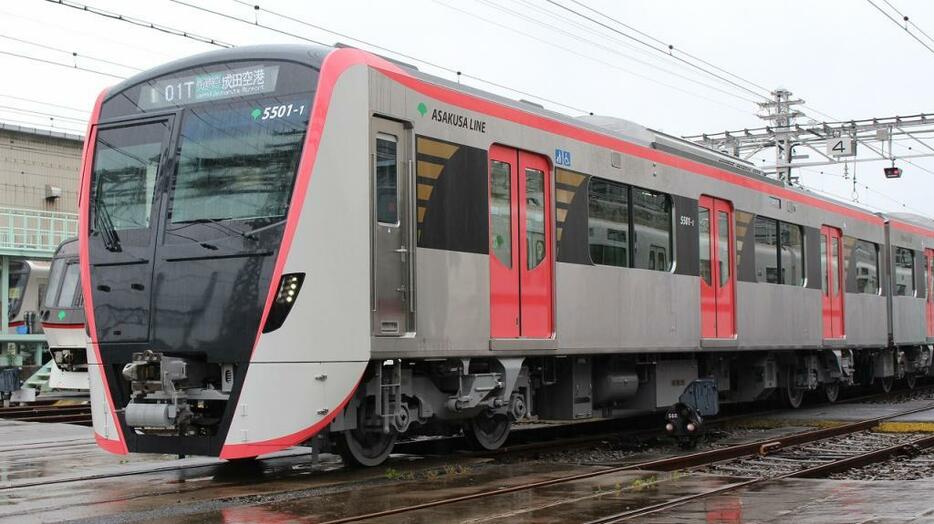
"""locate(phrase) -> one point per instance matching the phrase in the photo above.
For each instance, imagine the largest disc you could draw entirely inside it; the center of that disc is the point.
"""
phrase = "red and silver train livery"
(63, 322)
(287, 241)
(27, 283)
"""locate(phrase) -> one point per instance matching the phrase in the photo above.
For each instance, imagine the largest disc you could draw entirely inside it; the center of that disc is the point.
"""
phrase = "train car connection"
(284, 242)
(27, 283)
(62, 318)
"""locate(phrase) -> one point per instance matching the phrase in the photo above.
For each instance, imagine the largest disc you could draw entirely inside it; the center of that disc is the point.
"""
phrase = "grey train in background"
(27, 283)
(62, 318)
(287, 243)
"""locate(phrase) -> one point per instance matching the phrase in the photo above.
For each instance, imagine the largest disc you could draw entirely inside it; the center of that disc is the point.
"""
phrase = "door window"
(387, 180)
(904, 272)
(834, 264)
(723, 247)
(501, 212)
(703, 228)
(535, 216)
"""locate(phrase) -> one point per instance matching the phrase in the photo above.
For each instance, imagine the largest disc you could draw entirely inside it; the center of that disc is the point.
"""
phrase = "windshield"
(237, 160)
(19, 274)
(55, 280)
(125, 167)
(71, 287)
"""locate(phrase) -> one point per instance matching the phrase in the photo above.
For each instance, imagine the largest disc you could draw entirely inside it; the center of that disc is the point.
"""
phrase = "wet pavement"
(812, 502)
(55, 472)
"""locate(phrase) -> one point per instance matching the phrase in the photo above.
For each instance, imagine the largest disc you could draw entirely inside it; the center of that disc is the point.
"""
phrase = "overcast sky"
(843, 57)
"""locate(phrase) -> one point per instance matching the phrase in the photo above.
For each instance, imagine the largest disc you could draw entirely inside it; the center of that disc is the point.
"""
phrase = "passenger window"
(703, 227)
(501, 212)
(904, 272)
(387, 183)
(865, 258)
(723, 244)
(767, 250)
(780, 253)
(792, 257)
(535, 216)
(823, 265)
(651, 217)
(608, 223)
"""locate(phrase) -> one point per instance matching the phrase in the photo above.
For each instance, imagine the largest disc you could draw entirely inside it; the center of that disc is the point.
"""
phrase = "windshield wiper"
(252, 232)
(105, 225)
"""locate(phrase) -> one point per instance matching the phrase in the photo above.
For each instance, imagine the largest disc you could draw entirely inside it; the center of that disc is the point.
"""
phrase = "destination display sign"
(205, 87)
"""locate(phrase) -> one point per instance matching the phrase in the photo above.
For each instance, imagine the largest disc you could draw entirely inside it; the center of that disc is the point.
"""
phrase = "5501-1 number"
(282, 111)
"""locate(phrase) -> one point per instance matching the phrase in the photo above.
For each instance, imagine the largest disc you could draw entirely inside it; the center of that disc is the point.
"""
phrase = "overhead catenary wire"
(42, 113)
(671, 47)
(908, 20)
(49, 104)
(663, 51)
(460, 74)
(61, 64)
(142, 23)
(904, 28)
(554, 29)
(36, 125)
(74, 54)
(588, 57)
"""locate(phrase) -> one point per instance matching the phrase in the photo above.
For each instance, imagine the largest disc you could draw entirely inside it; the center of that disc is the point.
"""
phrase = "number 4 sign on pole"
(841, 146)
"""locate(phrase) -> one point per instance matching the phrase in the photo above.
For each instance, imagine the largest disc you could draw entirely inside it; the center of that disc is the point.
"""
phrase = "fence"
(25, 232)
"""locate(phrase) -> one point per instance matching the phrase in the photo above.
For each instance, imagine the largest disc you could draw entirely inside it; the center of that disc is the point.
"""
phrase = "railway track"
(49, 412)
(832, 459)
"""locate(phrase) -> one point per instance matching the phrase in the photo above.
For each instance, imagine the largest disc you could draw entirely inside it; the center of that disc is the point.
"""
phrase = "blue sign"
(562, 158)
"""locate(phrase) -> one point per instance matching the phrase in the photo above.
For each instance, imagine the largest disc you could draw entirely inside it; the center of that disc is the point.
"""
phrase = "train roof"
(68, 248)
(622, 129)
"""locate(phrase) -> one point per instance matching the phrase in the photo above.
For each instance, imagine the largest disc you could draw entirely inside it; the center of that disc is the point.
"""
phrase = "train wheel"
(365, 448)
(886, 384)
(831, 391)
(487, 432)
(911, 380)
(792, 396)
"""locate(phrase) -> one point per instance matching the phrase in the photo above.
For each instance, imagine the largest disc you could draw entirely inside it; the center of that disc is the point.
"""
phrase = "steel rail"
(664, 464)
(818, 471)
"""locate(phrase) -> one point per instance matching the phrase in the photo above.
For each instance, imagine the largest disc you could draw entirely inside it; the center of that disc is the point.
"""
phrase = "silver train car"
(27, 284)
(288, 242)
(62, 318)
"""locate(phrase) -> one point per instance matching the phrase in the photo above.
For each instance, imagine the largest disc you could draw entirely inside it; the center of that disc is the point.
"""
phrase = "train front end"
(191, 195)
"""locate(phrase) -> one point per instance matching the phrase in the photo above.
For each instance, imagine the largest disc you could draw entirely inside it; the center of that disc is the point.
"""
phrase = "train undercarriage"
(483, 397)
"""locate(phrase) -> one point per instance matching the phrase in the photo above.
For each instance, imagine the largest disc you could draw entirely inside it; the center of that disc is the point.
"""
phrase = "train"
(62, 319)
(288, 244)
(27, 283)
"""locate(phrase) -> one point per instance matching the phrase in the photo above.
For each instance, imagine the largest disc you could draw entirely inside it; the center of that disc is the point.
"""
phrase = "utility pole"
(780, 113)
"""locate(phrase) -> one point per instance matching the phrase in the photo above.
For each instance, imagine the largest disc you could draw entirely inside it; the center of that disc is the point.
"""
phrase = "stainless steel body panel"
(908, 321)
(774, 316)
(866, 323)
(611, 309)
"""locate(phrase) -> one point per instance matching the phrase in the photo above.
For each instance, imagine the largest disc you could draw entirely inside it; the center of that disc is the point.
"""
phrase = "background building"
(39, 172)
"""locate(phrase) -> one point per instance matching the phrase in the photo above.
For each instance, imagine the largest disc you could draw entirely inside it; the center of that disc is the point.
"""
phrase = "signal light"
(893, 172)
